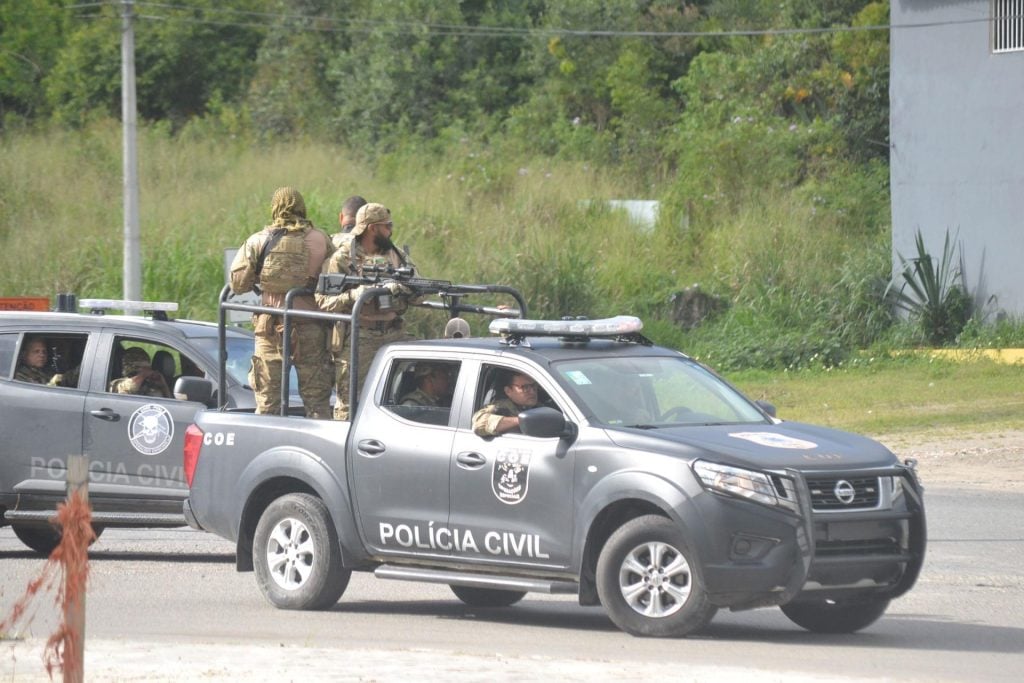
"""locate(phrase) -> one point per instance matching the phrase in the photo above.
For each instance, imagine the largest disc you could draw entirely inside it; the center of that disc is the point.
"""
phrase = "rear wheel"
(835, 616)
(487, 597)
(296, 554)
(649, 581)
(43, 538)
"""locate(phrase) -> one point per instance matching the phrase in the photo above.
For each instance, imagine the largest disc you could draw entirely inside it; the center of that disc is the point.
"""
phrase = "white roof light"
(123, 305)
(604, 327)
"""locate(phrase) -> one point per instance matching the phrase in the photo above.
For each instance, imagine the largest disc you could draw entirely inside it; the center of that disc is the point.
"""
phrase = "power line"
(330, 24)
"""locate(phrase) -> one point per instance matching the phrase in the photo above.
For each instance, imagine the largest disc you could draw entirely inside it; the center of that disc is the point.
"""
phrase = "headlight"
(755, 486)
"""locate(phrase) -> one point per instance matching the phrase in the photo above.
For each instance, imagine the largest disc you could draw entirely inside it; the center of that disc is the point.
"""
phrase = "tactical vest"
(286, 261)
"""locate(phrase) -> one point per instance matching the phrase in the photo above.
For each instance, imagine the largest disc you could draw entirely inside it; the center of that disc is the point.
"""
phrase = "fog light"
(750, 548)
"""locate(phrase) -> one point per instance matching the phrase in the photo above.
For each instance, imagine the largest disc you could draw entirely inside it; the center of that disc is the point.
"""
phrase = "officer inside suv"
(139, 377)
(521, 393)
(33, 367)
(433, 384)
(32, 362)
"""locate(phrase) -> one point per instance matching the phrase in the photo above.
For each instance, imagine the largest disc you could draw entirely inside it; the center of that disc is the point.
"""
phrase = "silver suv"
(133, 442)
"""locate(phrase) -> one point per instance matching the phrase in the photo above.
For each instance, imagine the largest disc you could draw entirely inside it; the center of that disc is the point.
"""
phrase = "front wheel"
(296, 555)
(487, 597)
(649, 581)
(835, 616)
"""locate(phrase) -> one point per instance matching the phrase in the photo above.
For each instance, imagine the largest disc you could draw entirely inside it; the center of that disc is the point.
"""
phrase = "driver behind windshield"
(521, 393)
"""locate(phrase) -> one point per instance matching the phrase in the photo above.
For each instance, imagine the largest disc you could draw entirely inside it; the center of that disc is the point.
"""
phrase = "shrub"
(932, 293)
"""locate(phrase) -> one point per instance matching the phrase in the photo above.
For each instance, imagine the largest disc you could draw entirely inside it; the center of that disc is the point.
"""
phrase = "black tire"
(649, 580)
(296, 555)
(487, 597)
(821, 616)
(43, 538)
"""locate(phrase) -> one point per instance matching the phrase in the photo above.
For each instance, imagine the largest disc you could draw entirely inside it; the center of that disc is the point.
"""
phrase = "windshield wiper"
(643, 426)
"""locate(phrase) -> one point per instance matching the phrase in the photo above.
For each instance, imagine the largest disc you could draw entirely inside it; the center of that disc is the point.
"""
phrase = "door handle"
(469, 460)
(371, 447)
(106, 414)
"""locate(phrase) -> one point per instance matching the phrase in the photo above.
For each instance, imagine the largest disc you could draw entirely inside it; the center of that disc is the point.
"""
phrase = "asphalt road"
(167, 605)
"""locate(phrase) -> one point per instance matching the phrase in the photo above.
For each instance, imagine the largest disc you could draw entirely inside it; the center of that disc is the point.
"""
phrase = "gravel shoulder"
(986, 460)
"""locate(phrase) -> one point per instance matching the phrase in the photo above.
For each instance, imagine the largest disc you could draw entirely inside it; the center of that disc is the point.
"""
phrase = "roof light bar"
(124, 305)
(604, 327)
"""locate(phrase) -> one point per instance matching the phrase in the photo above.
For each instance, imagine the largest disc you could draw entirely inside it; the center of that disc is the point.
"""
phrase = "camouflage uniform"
(136, 360)
(27, 373)
(376, 327)
(419, 398)
(308, 337)
(485, 420)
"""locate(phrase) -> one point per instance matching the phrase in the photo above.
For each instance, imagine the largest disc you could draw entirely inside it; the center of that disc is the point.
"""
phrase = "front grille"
(843, 493)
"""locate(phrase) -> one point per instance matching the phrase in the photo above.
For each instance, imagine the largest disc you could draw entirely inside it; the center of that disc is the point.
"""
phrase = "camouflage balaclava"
(134, 360)
(287, 208)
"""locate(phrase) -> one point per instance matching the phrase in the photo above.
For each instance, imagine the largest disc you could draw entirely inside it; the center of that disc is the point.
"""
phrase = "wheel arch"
(279, 472)
(616, 501)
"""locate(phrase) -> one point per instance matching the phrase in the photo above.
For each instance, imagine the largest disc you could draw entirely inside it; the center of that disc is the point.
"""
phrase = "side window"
(420, 389)
(50, 359)
(148, 368)
(8, 350)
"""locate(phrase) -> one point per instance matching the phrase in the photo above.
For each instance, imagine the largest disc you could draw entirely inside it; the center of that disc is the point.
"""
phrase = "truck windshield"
(653, 392)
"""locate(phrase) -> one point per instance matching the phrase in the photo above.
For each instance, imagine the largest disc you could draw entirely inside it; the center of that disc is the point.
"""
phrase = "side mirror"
(766, 407)
(196, 389)
(545, 423)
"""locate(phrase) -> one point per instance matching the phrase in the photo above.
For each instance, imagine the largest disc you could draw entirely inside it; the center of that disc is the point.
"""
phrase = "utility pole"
(132, 273)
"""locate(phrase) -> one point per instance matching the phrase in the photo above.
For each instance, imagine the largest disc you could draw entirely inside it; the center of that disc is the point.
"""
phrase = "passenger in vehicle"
(433, 383)
(32, 365)
(139, 377)
(521, 393)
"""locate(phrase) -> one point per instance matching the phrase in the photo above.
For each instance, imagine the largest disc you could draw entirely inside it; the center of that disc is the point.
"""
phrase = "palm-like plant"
(932, 293)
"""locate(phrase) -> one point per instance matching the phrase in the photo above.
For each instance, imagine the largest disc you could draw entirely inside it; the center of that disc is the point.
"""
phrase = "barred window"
(1007, 25)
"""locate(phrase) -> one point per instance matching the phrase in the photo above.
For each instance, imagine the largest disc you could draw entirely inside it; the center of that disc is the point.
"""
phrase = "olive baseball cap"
(369, 214)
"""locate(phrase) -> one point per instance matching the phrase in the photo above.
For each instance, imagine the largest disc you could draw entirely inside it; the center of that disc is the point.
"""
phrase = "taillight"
(193, 442)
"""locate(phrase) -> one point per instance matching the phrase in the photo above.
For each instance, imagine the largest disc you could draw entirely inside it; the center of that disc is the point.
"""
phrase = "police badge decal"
(151, 429)
(510, 476)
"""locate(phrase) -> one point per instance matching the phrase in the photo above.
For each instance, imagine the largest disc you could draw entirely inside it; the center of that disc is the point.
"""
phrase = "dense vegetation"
(494, 129)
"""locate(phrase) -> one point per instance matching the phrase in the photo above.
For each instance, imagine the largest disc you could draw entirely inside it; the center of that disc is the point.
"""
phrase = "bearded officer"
(380, 322)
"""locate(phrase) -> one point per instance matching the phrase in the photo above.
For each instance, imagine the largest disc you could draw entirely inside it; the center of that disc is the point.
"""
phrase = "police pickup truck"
(133, 442)
(642, 482)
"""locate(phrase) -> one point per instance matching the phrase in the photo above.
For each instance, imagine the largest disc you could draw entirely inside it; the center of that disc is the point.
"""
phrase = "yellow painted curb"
(1008, 356)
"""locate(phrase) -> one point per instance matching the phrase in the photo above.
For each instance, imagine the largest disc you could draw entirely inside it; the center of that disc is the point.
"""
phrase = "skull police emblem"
(510, 477)
(150, 429)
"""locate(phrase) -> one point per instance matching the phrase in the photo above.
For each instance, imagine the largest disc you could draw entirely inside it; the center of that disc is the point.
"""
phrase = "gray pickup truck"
(642, 482)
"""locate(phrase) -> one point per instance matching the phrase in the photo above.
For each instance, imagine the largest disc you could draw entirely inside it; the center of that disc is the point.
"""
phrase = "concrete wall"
(957, 133)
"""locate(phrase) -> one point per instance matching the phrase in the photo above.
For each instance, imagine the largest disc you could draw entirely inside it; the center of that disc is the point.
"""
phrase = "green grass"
(897, 396)
(799, 282)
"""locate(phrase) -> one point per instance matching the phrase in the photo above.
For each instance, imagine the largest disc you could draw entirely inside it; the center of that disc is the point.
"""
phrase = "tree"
(31, 37)
(183, 57)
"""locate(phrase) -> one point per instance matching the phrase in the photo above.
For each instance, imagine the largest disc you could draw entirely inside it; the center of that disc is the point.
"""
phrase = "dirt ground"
(988, 460)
